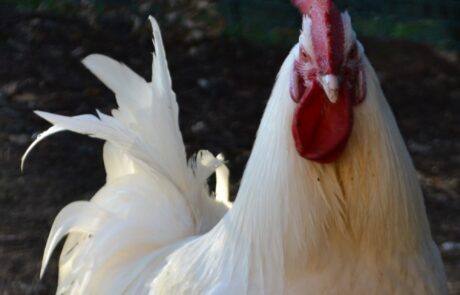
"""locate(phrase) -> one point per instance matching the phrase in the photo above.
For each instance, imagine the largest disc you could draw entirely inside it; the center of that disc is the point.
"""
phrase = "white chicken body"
(299, 227)
(356, 226)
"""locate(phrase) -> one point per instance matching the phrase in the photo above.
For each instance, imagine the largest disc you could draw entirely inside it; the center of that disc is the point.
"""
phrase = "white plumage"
(357, 226)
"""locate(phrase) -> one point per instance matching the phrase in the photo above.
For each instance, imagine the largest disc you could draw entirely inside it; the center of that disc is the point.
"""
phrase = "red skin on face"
(321, 128)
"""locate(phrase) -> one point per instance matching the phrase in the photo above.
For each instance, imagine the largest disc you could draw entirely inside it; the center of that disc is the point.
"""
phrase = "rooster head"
(327, 81)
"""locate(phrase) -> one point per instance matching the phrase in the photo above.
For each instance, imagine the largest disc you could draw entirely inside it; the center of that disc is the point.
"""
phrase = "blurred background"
(224, 56)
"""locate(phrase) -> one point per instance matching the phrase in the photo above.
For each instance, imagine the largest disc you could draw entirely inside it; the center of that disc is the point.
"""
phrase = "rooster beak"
(330, 85)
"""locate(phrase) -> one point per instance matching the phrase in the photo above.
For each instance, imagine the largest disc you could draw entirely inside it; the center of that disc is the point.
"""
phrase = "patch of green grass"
(437, 32)
(277, 21)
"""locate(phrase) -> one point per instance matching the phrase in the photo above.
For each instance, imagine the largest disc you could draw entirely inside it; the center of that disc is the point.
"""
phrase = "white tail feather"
(153, 200)
(131, 91)
(52, 130)
(80, 217)
(222, 185)
(113, 131)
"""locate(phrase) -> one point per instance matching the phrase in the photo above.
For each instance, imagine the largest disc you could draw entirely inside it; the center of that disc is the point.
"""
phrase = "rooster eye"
(353, 52)
(304, 55)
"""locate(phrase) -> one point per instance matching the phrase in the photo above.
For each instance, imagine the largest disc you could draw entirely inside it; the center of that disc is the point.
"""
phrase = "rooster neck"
(370, 199)
(279, 204)
(293, 217)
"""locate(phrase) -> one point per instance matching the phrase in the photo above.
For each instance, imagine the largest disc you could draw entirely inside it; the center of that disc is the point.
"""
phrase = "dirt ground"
(222, 87)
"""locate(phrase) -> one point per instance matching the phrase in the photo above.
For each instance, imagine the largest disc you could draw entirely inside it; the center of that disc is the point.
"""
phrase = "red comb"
(304, 6)
(327, 33)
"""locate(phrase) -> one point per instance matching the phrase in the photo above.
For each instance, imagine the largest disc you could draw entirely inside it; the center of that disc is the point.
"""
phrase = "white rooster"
(329, 202)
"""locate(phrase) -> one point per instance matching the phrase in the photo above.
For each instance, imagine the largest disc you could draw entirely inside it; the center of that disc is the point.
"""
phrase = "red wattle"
(320, 128)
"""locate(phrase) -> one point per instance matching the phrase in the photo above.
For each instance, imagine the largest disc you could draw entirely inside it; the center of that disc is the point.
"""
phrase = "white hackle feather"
(349, 33)
(356, 226)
